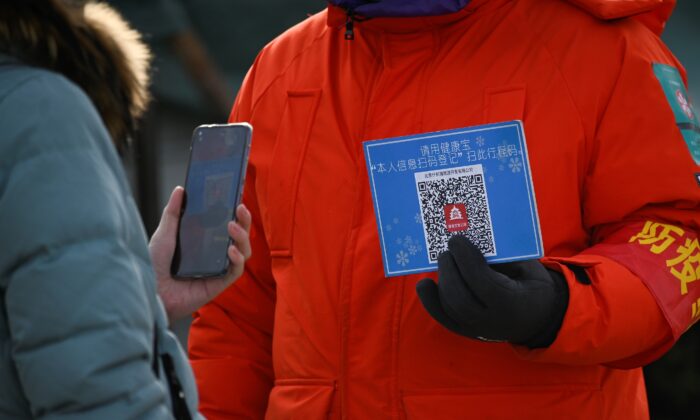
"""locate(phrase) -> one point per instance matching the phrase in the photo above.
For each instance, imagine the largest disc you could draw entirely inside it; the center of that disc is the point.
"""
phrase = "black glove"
(522, 303)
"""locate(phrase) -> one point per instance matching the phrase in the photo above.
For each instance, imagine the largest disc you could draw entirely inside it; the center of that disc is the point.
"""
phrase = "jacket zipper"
(350, 19)
(349, 26)
(350, 253)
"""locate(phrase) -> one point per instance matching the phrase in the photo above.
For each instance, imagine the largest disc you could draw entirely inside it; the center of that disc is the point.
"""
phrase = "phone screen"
(218, 156)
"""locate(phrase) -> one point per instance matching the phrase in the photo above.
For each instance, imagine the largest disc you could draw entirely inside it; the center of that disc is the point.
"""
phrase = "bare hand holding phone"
(180, 296)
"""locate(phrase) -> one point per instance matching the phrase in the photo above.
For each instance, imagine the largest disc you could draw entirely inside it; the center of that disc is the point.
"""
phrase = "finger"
(237, 263)
(522, 270)
(512, 269)
(458, 300)
(234, 254)
(473, 269)
(241, 238)
(243, 217)
(429, 296)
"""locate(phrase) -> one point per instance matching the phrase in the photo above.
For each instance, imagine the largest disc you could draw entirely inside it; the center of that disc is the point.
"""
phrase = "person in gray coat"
(83, 333)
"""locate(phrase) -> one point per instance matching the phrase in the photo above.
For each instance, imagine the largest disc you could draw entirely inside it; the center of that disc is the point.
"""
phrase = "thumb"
(467, 255)
(171, 212)
(174, 206)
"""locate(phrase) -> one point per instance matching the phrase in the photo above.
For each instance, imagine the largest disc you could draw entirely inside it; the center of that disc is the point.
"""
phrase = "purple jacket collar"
(401, 8)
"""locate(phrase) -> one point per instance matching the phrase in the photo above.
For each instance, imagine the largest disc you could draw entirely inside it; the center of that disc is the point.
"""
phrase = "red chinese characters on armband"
(680, 250)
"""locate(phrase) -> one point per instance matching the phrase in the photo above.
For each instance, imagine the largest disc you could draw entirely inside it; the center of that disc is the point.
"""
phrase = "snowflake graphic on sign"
(515, 165)
(402, 258)
(685, 106)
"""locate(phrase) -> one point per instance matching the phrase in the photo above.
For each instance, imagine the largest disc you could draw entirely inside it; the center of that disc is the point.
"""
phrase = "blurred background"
(203, 49)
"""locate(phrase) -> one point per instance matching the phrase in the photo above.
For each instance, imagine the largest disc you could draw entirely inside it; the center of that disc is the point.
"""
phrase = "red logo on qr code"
(456, 217)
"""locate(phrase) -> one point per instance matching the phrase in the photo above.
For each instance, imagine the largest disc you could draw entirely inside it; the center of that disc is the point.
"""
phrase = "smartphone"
(213, 190)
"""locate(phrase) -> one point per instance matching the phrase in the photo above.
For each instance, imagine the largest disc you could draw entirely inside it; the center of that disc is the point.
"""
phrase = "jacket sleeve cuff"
(613, 321)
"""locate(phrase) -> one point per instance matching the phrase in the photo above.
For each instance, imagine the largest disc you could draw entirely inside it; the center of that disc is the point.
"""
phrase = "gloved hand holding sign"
(521, 303)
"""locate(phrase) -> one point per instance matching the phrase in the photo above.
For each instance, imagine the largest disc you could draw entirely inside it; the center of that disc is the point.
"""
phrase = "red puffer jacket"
(315, 330)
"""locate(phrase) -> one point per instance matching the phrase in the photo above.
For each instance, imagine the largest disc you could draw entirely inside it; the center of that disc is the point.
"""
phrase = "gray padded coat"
(80, 321)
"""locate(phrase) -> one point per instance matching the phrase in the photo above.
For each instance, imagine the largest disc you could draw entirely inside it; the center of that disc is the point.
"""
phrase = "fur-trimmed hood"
(90, 44)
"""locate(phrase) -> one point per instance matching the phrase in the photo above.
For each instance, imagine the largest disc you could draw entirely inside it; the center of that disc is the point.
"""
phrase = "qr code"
(454, 202)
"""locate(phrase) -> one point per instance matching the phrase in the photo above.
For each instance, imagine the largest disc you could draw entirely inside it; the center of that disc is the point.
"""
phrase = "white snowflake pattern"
(491, 179)
(418, 219)
(413, 249)
(402, 258)
(388, 228)
(501, 167)
(515, 165)
(408, 240)
(398, 241)
(396, 220)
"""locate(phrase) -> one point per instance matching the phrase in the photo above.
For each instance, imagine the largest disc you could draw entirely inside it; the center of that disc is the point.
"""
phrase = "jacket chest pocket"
(287, 163)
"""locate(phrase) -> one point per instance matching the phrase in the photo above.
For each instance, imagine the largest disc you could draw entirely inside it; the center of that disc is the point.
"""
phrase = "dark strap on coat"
(177, 395)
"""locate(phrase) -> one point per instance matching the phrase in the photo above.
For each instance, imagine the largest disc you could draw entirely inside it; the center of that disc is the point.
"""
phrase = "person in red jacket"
(314, 329)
